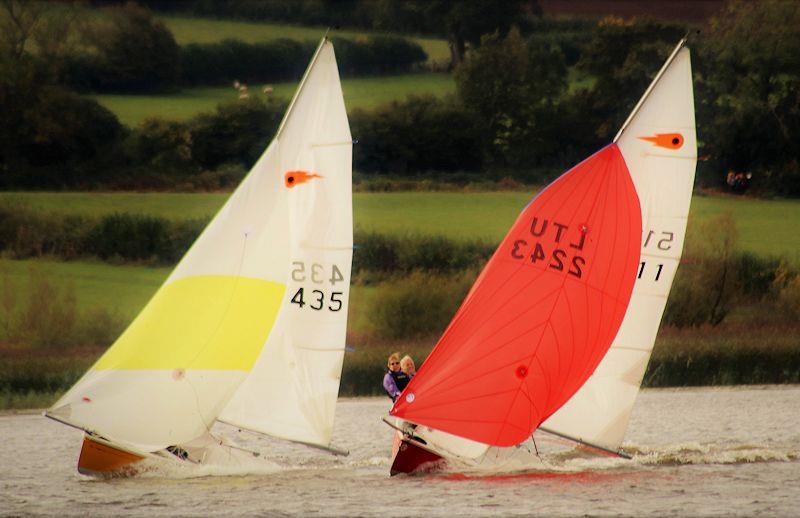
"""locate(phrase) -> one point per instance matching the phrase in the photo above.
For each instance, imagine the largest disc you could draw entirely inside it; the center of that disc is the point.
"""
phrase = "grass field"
(766, 227)
(363, 92)
(123, 289)
(205, 30)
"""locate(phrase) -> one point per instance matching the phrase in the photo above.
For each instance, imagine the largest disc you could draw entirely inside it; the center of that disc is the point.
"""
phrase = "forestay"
(226, 314)
(658, 143)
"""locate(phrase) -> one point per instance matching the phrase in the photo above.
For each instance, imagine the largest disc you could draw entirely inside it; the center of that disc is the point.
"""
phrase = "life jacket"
(401, 379)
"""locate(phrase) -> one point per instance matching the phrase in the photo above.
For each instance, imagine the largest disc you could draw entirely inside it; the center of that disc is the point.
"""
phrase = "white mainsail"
(223, 336)
(659, 145)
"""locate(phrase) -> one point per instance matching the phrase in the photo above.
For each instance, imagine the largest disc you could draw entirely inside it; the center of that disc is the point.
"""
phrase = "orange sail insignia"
(293, 178)
(666, 140)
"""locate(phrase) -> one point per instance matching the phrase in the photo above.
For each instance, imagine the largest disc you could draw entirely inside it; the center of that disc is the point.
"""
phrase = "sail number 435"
(317, 299)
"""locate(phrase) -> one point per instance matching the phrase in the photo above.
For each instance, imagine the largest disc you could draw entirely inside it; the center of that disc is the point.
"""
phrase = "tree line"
(527, 105)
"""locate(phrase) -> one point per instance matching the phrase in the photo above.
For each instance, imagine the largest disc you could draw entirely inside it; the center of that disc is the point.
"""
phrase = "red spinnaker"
(542, 314)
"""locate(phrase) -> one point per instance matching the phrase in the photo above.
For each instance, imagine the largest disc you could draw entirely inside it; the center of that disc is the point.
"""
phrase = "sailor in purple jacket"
(395, 379)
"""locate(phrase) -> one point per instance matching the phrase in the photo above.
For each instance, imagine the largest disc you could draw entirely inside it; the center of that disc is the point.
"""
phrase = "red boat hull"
(413, 457)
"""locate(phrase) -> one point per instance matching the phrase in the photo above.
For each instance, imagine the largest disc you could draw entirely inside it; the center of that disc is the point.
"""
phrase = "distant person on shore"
(395, 380)
(407, 366)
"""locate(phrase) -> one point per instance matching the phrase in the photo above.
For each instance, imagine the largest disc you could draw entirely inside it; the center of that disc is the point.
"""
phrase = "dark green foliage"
(749, 93)
(419, 134)
(237, 132)
(460, 21)
(128, 236)
(60, 139)
(229, 60)
(512, 88)
(623, 56)
(132, 237)
(756, 274)
(377, 55)
(26, 234)
(417, 305)
(160, 145)
(759, 362)
(133, 53)
(394, 254)
(706, 286)
(284, 59)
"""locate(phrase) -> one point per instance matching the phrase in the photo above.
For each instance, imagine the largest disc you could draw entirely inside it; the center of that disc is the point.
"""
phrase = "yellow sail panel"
(201, 322)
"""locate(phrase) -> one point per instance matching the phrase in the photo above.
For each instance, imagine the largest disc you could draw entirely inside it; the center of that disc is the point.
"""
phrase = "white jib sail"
(291, 392)
(213, 322)
(659, 145)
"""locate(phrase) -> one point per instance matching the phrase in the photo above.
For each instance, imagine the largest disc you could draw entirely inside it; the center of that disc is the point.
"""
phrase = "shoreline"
(11, 412)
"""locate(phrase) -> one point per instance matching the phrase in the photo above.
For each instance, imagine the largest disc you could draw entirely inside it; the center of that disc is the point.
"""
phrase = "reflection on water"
(727, 451)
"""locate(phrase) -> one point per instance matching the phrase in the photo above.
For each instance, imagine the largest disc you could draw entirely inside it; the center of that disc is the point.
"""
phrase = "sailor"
(407, 366)
(395, 380)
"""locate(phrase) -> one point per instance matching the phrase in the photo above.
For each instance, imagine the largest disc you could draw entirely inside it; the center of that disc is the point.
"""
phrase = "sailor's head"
(393, 362)
(407, 364)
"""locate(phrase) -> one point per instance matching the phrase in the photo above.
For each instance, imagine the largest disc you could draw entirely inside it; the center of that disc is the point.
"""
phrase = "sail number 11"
(317, 274)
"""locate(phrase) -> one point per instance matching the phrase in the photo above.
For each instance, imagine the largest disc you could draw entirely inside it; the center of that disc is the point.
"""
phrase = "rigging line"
(585, 443)
(329, 449)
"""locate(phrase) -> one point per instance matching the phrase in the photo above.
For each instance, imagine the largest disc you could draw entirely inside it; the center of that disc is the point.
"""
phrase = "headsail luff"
(659, 145)
(541, 315)
(177, 366)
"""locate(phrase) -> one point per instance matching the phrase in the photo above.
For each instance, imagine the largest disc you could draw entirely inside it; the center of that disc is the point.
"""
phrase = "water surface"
(712, 452)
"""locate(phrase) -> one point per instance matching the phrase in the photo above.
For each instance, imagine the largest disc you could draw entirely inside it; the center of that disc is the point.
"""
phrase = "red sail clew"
(542, 314)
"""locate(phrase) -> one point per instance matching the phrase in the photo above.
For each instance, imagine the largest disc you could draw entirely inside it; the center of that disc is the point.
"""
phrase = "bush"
(99, 327)
(285, 59)
(162, 145)
(756, 275)
(418, 134)
(128, 236)
(377, 55)
(48, 317)
(394, 254)
(236, 132)
(23, 233)
(230, 60)
(418, 305)
(706, 285)
(68, 139)
(133, 53)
